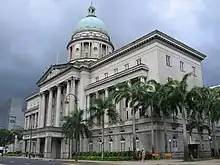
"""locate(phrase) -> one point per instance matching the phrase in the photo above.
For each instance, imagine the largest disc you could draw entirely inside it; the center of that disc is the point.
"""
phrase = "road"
(24, 161)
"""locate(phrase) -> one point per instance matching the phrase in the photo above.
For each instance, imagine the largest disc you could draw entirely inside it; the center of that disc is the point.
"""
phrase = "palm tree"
(132, 92)
(75, 119)
(179, 97)
(160, 105)
(99, 108)
(212, 110)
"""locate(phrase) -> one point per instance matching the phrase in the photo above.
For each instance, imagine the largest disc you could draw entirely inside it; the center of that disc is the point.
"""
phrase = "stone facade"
(93, 69)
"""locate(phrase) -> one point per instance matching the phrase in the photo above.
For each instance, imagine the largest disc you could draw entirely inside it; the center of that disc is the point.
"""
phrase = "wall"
(174, 71)
(148, 55)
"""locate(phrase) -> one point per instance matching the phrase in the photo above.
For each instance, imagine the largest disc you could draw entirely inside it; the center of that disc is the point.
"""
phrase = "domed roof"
(91, 22)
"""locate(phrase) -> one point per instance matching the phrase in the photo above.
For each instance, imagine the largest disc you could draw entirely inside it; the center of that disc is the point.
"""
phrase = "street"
(25, 161)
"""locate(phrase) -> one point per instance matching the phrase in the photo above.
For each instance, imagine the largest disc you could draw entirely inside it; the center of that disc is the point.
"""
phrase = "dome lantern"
(91, 11)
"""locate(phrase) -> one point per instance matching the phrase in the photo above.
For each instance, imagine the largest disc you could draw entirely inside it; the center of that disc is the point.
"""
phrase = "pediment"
(53, 71)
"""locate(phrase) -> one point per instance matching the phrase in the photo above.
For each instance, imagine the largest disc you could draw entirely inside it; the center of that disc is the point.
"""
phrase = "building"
(92, 69)
(12, 114)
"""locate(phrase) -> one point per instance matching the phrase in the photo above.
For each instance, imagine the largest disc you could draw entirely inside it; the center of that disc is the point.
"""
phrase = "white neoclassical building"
(93, 68)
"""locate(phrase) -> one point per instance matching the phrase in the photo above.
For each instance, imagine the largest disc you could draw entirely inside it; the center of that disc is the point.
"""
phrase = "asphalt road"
(24, 161)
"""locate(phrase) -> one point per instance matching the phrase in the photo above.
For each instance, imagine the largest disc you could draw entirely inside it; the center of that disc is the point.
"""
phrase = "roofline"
(215, 86)
(33, 95)
(156, 34)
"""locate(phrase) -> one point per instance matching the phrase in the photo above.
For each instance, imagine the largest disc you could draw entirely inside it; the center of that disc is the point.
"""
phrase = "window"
(182, 66)
(100, 146)
(137, 143)
(110, 146)
(97, 78)
(90, 146)
(168, 60)
(116, 70)
(106, 75)
(138, 61)
(194, 70)
(127, 114)
(126, 66)
(122, 145)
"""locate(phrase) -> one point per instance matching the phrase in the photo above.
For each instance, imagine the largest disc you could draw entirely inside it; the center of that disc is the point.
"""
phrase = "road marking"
(12, 161)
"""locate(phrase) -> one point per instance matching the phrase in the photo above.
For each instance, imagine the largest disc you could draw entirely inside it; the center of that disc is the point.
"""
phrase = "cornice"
(36, 94)
(118, 75)
(57, 75)
(153, 36)
(89, 38)
(32, 109)
(44, 129)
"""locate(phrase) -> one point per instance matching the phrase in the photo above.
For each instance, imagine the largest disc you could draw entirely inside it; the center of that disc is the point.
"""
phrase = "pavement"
(35, 161)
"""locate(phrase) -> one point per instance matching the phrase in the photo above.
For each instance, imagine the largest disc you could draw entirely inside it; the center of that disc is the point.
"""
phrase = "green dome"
(91, 22)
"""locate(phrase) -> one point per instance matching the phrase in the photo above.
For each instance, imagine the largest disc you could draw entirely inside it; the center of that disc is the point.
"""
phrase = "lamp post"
(210, 143)
(76, 129)
(170, 144)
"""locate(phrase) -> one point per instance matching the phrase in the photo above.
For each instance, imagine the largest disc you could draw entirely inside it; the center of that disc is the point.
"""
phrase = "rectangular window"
(100, 147)
(194, 70)
(97, 78)
(127, 114)
(122, 146)
(90, 147)
(138, 61)
(137, 144)
(116, 70)
(182, 66)
(110, 144)
(168, 60)
(126, 66)
(106, 75)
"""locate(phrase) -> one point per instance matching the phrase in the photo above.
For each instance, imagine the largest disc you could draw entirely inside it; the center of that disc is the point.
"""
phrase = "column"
(101, 50)
(41, 119)
(69, 51)
(28, 122)
(88, 105)
(47, 147)
(66, 98)
(71, 97)
(106, 118)
(49, 110)
(89, 50)
(142, 79)
(58, 107)
(83, 50)
(35, 120)
(96, 94)
(38, 146)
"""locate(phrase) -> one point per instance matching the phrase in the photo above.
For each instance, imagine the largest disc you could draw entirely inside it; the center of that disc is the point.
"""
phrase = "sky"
(33, 32)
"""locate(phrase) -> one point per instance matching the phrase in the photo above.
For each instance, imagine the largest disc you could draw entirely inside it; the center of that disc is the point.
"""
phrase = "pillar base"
(48, 155)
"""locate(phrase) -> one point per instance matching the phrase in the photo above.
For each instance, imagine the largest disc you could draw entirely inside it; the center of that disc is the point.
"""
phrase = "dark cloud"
(32, 32)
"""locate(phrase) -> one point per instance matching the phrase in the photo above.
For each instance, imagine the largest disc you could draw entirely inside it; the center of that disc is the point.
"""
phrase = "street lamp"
(210, 143)
(76, 129)
(170, 144)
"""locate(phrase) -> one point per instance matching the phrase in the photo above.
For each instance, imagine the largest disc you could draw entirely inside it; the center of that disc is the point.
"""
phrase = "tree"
(179, 98)
(133, 93)
(69, 127)
(99, 108)
(212, 110)
(5, 137)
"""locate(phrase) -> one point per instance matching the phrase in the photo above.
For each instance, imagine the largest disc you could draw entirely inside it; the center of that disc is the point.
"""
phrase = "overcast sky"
(33, 31)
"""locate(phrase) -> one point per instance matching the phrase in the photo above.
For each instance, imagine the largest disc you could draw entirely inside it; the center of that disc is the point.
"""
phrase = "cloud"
(33, 31)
